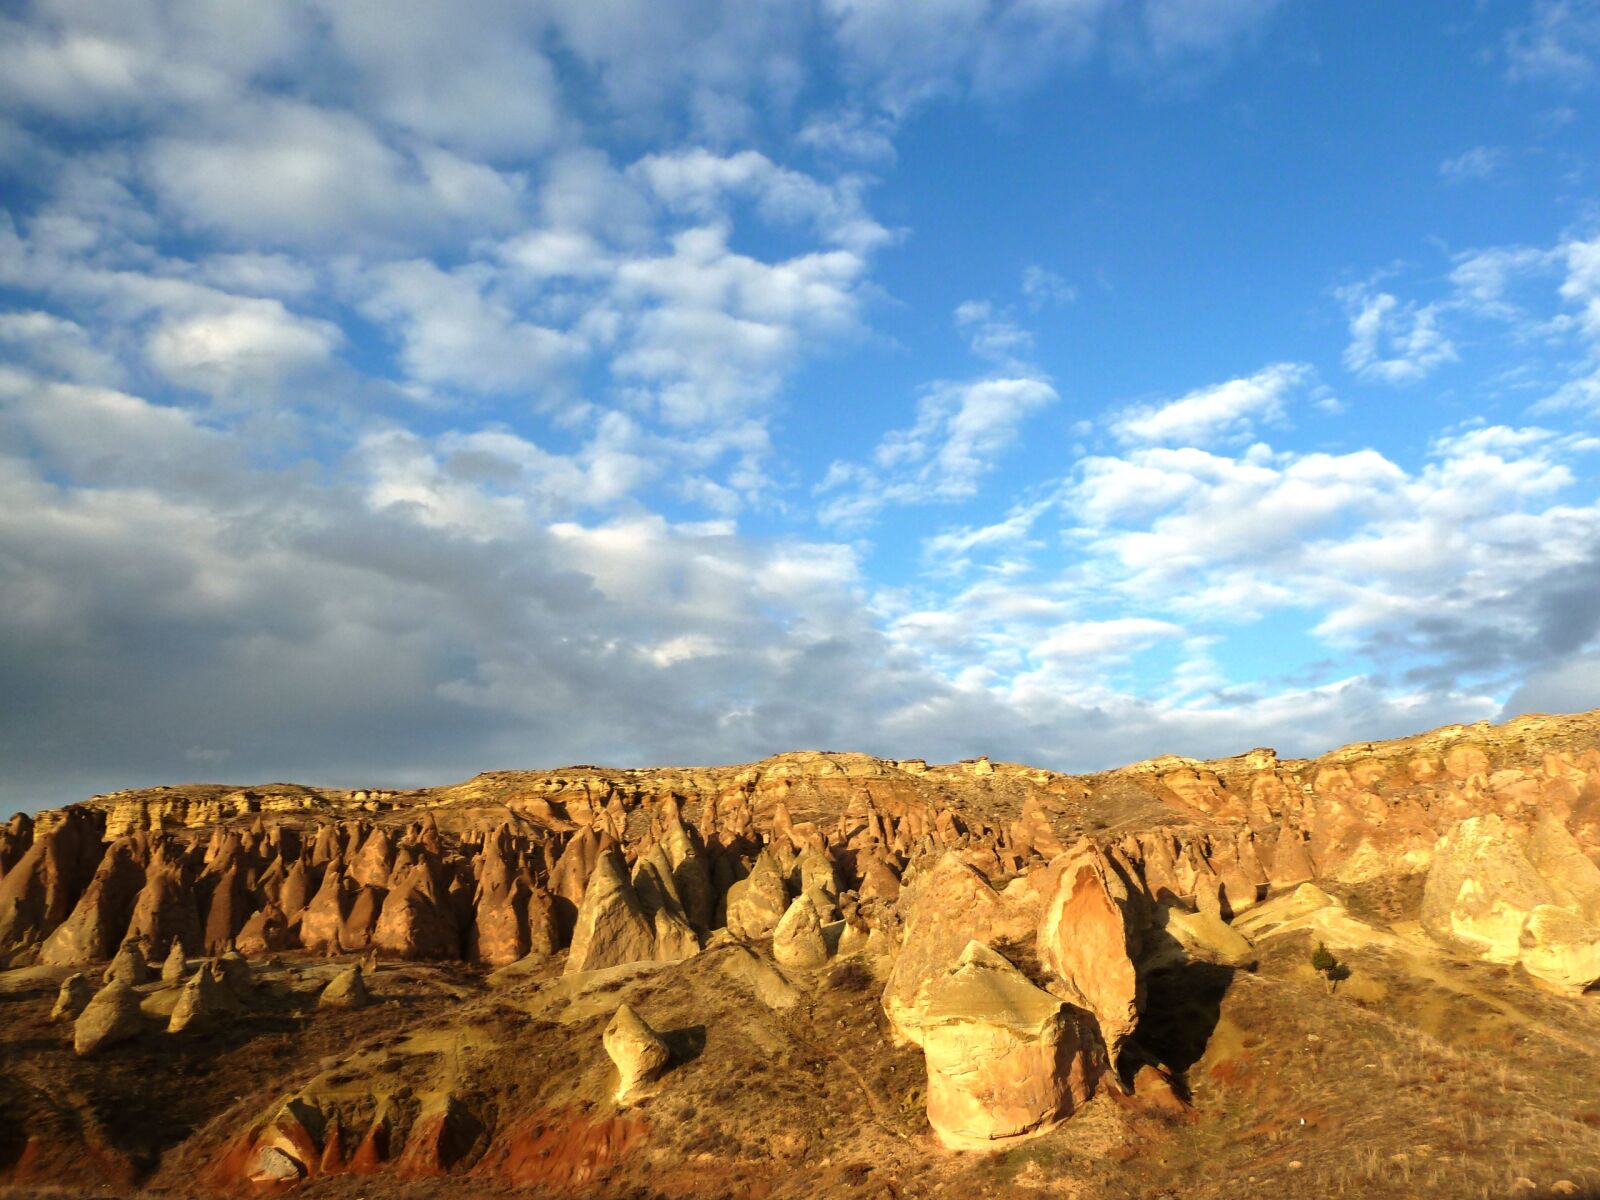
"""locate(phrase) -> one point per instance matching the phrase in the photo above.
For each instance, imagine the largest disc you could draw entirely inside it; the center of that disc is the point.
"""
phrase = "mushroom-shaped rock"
(1090, 940)
(798, 941)
(347, 989)
(612, 928)
(176, 966)
(129, 966)
(946, 908)
(73, 997)
(203, 998)
(636, 1049)
(111, 1016)
(1006, 1060)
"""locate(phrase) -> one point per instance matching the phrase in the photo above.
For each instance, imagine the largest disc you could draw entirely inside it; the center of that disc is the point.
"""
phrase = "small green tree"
(1323, 961)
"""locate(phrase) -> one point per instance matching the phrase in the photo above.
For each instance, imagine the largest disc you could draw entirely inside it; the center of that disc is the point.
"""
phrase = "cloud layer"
(369, 419)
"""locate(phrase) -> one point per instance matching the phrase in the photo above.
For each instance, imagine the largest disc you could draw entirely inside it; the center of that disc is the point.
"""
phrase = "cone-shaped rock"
(176, 965)
(129, 966)
(757, 903)
(347, 989)
(111, 1016)
(798, 940)
(612, 928)
(204, 998)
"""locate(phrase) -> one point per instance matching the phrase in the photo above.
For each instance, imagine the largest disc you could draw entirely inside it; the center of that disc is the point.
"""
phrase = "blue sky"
(388, 393)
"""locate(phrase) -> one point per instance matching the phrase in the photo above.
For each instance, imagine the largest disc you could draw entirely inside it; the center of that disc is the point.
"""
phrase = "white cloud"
(455, 332)
(1477, 164)
(1222, 412)
(57, 346)
(283, 173)
(408, 56)
(1561, 44)
(701, 183)
(1391, 340)
(992, 334)
(1041, 286)
(960, 431)
(246, 343)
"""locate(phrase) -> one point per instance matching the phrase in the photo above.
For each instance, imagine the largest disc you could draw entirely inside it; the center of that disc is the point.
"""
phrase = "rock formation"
(347, 989)
(638, 1052)
(111, 1016)
(1006, 1060)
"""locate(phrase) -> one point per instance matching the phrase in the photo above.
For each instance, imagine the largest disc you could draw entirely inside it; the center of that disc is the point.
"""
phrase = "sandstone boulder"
(1561, 948)
(111, 1016)
(1006, 1060)
(1178, 936)
(638, 1052)
(347, 989)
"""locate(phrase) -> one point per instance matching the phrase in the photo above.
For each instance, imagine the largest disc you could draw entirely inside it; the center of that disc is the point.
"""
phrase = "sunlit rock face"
(1025, 944)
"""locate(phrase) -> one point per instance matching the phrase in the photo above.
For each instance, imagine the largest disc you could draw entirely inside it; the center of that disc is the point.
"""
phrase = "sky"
(394, 392)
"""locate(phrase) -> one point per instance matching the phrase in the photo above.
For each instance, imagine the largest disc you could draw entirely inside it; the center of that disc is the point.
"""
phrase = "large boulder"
(1177, 936)
(1561, 948)
(638, 1052)
(111, 1016)
(1090, 938)
(1006, 1060)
